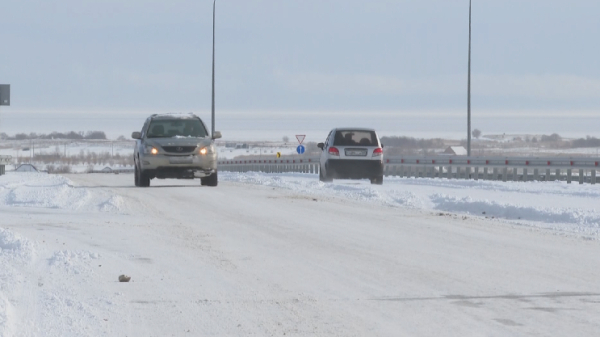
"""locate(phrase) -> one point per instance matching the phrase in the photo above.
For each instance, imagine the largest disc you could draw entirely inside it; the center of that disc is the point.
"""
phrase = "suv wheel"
(324, 178)
(136, 176)
(377, 180)
(211, 180)
(142, 178)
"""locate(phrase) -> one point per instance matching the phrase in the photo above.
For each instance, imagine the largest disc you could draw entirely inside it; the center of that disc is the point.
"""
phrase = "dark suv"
(175, 146)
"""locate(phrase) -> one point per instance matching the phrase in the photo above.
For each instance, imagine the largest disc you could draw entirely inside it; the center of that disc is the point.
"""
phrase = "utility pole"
(213, 73)
(469, 90)
(5, 94)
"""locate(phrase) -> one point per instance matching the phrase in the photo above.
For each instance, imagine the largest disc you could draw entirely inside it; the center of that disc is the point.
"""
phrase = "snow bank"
(114, 203)
(14, 247)
(41, 190)
(73, 262)
(5, 316)
(567, 208)
(581, 221)
(33, 279)
(15, 251)
(304, 183)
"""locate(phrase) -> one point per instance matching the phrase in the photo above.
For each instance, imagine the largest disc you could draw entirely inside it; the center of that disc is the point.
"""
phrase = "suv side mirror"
(321, 145)
(136, 135)
(217, 135)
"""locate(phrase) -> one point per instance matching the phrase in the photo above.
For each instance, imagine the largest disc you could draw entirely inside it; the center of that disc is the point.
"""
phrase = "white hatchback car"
(351, 153)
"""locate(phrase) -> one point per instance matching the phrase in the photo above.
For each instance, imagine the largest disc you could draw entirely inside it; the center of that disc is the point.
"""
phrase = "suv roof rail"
(174, 114)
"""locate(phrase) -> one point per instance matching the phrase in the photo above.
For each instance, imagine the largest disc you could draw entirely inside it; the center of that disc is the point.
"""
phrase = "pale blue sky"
(301, 55)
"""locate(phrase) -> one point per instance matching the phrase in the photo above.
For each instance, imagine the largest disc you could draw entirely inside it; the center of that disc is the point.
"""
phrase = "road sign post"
(4, 100)
(4, 160)
(300, 149)
(5, 94)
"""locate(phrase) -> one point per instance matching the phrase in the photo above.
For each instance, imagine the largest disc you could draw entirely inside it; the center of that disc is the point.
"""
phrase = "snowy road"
(253, 257)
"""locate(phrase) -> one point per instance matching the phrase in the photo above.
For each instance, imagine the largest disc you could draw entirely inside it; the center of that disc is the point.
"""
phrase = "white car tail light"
(378, 152)
(334, 151)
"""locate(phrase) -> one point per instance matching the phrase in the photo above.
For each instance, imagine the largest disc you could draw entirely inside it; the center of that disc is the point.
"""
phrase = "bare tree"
(476, 133)
(286, 139)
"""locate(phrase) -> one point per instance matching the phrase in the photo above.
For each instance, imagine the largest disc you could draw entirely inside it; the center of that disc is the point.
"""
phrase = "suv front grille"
(179, 149)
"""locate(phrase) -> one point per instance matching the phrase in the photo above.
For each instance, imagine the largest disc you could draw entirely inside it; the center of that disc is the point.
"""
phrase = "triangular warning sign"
(300, 138)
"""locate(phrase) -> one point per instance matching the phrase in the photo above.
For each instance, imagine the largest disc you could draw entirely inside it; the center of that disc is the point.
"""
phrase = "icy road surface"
(286, 255)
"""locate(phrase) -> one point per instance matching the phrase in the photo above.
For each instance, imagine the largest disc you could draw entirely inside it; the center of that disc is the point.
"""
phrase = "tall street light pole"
(469, 90)
(213, 73)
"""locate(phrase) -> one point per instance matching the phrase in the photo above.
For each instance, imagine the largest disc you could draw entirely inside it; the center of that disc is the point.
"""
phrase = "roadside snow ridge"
(41, 190)
(557, 206)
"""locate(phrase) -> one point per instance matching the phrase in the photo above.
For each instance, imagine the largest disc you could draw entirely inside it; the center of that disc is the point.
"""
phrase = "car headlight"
(150, 150)
(207, 150)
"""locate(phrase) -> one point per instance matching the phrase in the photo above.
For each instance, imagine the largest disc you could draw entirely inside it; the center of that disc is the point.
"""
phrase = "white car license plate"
(181, 160)
(356, 152)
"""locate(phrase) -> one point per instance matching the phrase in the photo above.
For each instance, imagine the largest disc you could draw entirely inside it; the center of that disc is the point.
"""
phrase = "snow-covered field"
(85, 150)
(283, 254)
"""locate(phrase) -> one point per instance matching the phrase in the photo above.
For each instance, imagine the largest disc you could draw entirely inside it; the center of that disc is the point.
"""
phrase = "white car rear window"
(355, 138)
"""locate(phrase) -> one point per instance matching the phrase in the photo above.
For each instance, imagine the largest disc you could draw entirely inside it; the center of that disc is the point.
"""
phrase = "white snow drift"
(562, 207)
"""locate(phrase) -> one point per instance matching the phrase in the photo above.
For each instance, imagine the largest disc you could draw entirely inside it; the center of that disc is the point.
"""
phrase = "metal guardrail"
(114, 171)
(567, 169)
(495, 168)
(305, 165)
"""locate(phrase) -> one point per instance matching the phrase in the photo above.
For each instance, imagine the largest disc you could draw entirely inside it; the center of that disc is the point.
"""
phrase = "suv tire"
(212, 180)
(377, 180)
(136, 176)
(324, 178)
(142, 179)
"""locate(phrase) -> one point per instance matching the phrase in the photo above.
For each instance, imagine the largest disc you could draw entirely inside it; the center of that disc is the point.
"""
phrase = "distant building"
(456, 151)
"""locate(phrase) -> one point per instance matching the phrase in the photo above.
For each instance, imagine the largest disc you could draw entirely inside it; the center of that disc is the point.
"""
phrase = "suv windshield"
(163, 128)
(354, 137)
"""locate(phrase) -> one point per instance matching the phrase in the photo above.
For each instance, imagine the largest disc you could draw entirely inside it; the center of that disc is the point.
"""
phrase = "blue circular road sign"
(300, 149)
